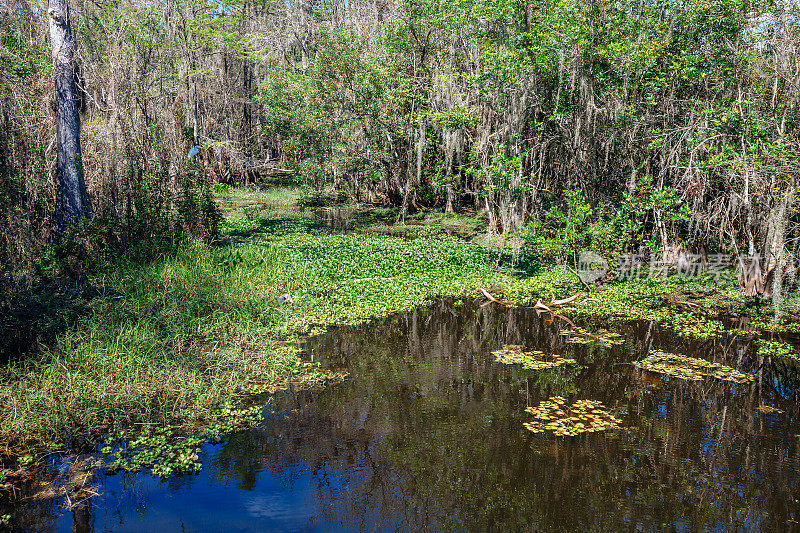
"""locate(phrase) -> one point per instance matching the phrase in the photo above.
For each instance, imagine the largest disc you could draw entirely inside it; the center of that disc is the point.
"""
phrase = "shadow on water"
(428, 434)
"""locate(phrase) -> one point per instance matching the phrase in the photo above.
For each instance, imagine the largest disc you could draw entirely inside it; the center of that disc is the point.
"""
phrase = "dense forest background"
(640, 126)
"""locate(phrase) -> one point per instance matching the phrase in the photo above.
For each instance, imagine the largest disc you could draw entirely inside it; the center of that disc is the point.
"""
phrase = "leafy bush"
(573, 224)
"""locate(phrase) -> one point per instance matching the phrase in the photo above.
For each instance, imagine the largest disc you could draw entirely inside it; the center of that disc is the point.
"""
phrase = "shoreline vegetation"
(146, 361)
(169, 171)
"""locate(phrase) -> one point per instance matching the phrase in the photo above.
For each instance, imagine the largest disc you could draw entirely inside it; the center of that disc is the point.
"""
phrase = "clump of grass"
(165, 343)
(252, 202)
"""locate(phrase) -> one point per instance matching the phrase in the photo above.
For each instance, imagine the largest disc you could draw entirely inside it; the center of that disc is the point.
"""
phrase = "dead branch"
(540, 306)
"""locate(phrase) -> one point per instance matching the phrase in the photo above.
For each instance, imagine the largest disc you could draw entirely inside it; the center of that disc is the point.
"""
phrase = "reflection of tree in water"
(428, 433)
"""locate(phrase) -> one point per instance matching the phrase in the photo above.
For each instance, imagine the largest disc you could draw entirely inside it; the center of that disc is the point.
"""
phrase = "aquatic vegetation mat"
(690, 368)
(776, 349)
(768, 409)
(583, 416)
(513, 354)
(600, 337)
(690, 326)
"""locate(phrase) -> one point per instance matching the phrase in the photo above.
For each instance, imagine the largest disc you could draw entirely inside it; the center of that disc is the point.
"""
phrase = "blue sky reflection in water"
(203, 503)
(428, 434)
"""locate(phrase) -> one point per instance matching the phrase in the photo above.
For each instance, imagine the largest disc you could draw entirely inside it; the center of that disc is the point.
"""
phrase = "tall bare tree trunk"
(72, 203)
(776, 244)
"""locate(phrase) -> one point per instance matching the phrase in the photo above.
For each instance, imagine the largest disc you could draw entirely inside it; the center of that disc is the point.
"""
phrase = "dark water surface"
(427, 434)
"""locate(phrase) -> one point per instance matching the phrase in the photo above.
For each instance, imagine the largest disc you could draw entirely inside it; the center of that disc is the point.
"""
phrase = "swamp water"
(429, 432)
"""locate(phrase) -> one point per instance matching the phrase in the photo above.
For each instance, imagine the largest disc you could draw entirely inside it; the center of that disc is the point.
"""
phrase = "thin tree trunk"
(72, 203)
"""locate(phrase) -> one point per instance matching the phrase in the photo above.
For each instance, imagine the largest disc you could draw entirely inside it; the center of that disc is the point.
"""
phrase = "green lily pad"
(582, 416)
(690, 368)
(600, 337)
(513, 354)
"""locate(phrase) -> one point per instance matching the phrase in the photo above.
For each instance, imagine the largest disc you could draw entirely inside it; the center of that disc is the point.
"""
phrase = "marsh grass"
(179, 341)
(170, 342)
(162, 343)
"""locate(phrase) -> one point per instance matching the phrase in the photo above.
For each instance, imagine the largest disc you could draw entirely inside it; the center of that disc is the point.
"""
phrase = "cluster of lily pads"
(691, 326)
(582, 416)
(600, 337)
(513, 354)
(690, 368)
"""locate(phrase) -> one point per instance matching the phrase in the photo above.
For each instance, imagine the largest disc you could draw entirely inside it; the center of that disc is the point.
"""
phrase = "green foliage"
(319, 110)
(691, 368)
(695, 327)
(574, 225)
(598, 124)
(565, 230)
(157, 449)
(19, 59)
(649, 298)
(645, 208)
(768, 348)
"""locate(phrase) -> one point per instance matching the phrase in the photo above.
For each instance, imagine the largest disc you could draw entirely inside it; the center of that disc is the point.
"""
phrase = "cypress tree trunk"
(72, 204)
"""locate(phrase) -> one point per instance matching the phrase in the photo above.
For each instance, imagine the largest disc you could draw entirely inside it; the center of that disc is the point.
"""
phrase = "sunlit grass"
(172, 341)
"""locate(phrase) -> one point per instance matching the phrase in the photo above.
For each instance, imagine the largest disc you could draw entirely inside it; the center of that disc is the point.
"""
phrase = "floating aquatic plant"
(691, 326)
(776, 349)
(601, 337)
(513, 354)
(690, 368)
(583, 416)
(768, 409)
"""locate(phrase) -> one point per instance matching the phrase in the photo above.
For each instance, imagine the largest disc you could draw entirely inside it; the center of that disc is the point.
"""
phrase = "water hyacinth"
(513, 354)
(583, 416)
(601, 337)
(690, 368)
(783, 350)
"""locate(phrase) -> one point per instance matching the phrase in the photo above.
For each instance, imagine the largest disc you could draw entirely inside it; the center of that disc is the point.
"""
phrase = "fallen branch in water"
(565, 300)
(548, 307)
(567, 320)
(539, 305)
(490, 297)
